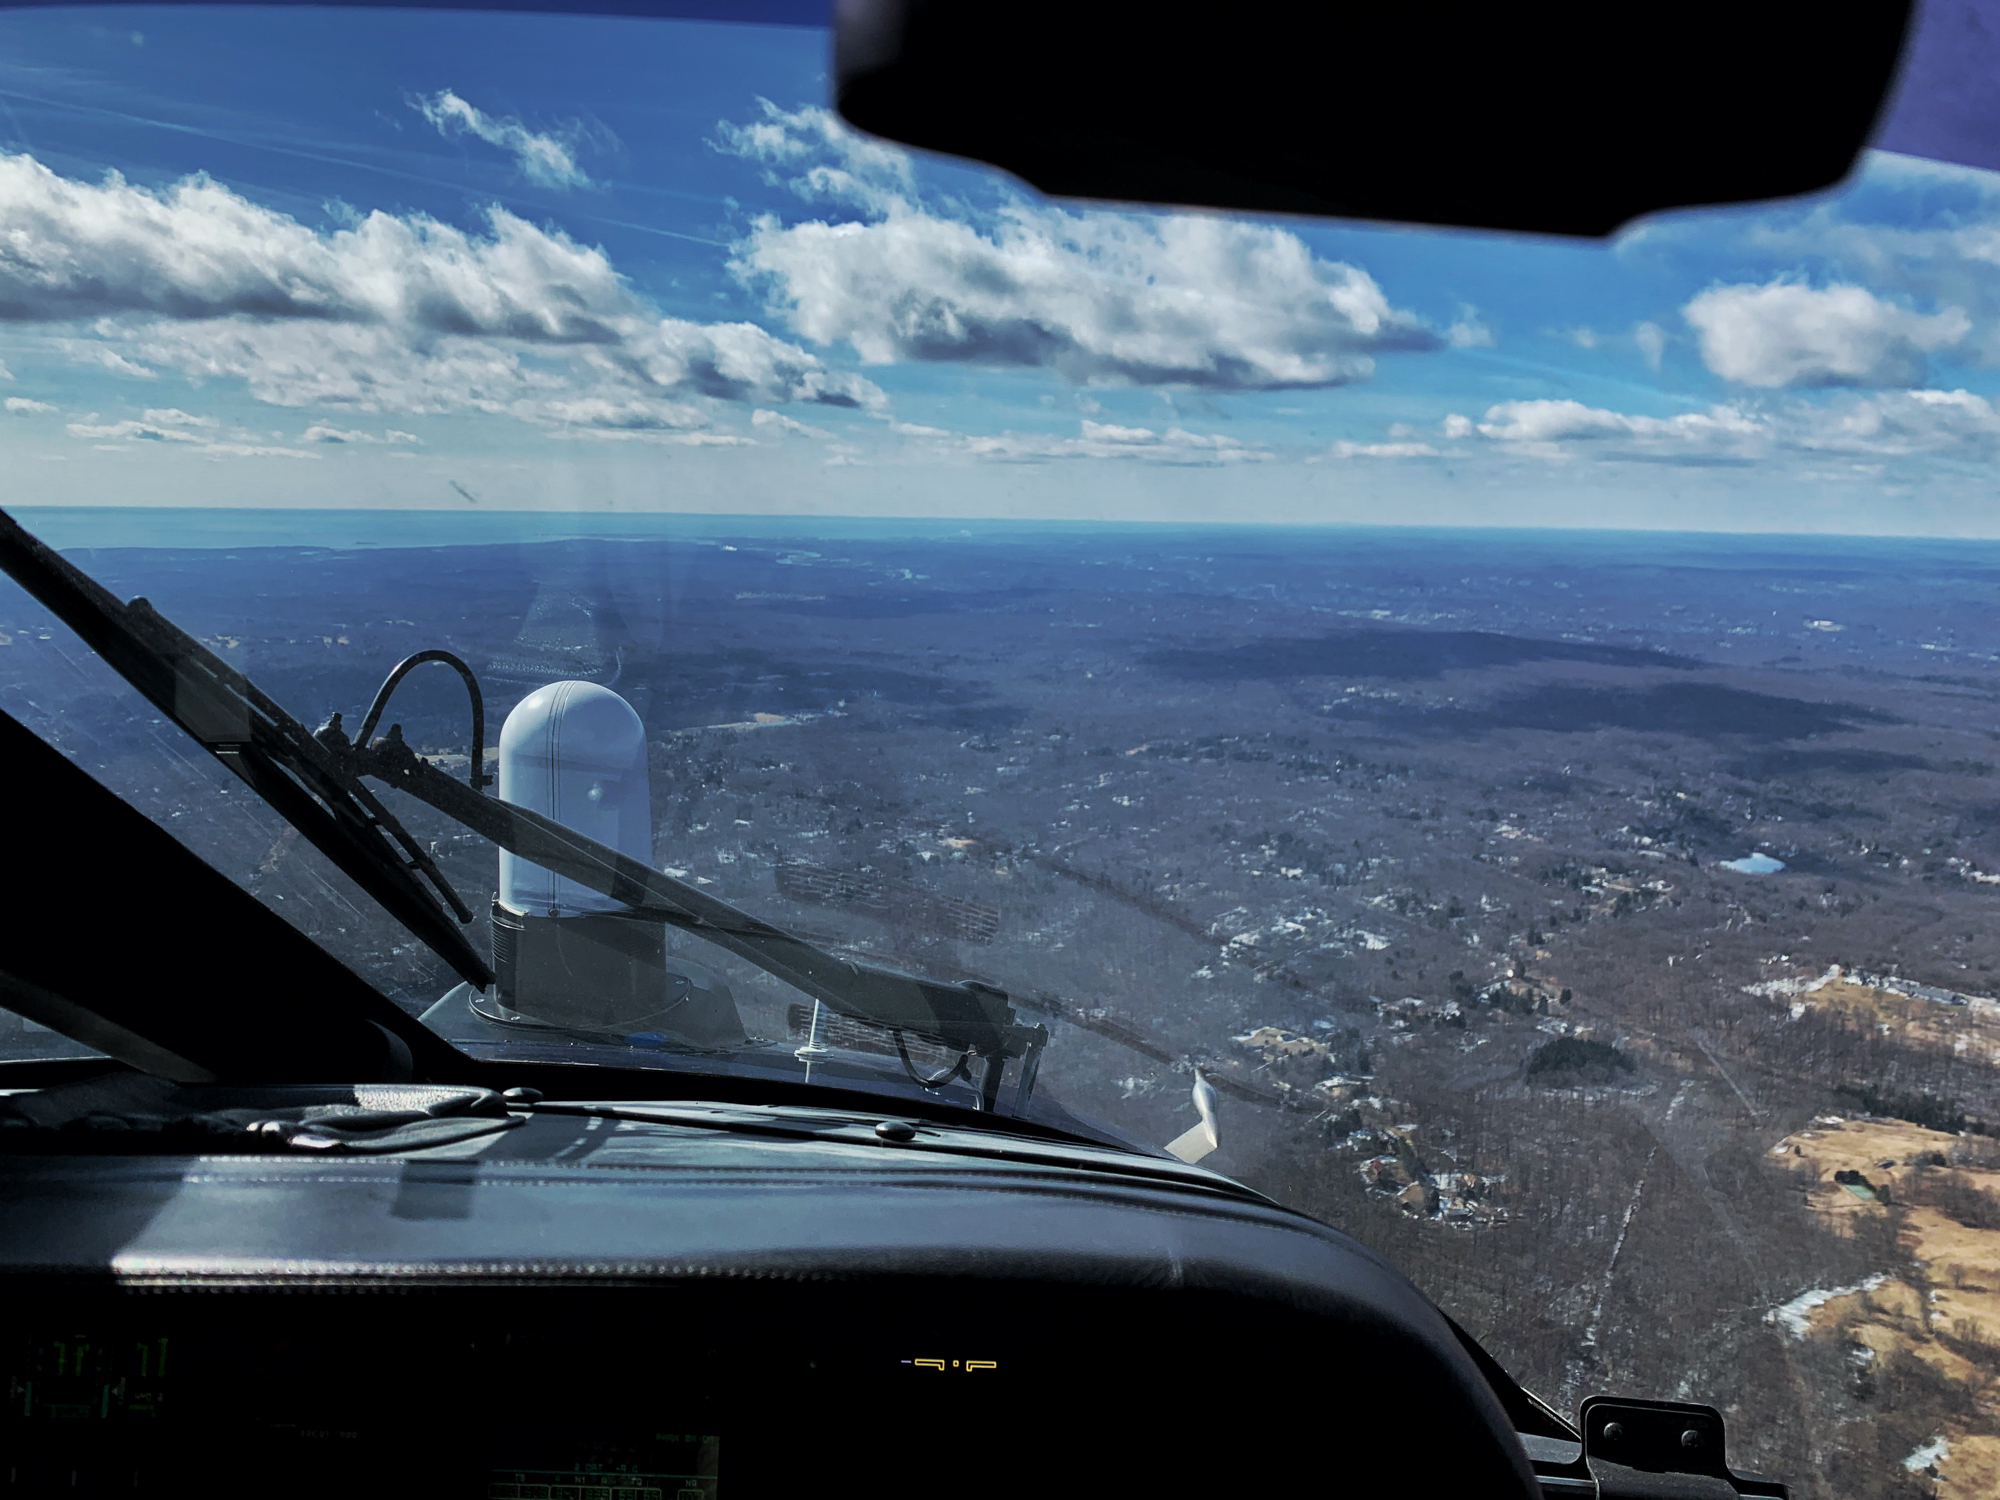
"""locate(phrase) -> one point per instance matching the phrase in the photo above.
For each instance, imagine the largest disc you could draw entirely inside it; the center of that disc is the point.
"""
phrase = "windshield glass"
(1515, 715)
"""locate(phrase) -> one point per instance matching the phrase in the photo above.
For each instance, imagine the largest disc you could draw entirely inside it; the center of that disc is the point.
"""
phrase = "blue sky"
(373, 258)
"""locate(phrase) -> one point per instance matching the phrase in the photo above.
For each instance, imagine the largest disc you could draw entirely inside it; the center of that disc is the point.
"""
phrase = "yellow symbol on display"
(982, 1364)
(931, 1364)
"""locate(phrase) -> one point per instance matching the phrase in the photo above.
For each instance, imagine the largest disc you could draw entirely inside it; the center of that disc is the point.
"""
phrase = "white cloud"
(158, 425)
(1652, 342)
(1884, 425)
(1158, 299)
(253, 450)
(545, 160)
(1175, 446)
(324, 432)
(1469, 332)
(1556, 421)
(388, 314)
(829, 161)
(86, 353)
(1787, 334)
(764, 418)
(173, 416)
(630, 415)
(1566, 429)
(1926, 231)
(1457, 425)
(172, 425)
(655, 435)
(1345, 449)
(22, 406)
(1895, 424)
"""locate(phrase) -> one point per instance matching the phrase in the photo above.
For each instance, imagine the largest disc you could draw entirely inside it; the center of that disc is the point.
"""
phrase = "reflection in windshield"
(1596, 920)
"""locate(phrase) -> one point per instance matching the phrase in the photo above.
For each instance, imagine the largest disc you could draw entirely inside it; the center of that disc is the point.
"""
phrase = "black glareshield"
(1555, 119)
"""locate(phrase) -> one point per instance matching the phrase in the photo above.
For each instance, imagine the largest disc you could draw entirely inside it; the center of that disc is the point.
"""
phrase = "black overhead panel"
(1557, 118)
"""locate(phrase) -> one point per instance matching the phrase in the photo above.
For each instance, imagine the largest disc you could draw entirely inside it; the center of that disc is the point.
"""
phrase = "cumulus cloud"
(323, 432)
(1571, 421)
(172, 425)
(811, 152)
(629, 415)
(23, 406)
(1165, 299)
(1469, 332)
(1882, 425)
(1925, 232)
(1787, 334)
(1174, 446)
(158, 425)
(766, 418)
(545, 160)
(390, 314)
(1893, 424)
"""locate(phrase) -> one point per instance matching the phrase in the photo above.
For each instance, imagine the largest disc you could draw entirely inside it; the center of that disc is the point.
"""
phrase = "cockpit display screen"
(306, 1403)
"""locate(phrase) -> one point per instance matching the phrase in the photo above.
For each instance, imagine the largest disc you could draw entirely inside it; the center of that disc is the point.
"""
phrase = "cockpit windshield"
(1487, 739)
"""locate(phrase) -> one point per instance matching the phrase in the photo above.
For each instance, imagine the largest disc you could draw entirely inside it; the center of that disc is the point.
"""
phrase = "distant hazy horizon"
(226, 527)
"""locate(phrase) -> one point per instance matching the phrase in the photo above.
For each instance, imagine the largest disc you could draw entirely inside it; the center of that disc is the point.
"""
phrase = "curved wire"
(402, 669)
(960, 1069)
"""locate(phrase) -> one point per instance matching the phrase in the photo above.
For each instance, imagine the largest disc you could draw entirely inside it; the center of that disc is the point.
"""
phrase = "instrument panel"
(607, 1307)
(639, 1393)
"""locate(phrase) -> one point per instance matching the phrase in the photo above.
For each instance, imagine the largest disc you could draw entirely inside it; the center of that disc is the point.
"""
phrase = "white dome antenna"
(575, 752)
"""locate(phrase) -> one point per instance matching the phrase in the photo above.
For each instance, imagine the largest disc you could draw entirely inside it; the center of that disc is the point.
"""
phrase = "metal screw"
(1691, 1438)
(1614, 1432)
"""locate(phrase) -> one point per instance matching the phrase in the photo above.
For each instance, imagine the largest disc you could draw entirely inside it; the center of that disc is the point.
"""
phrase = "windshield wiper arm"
(270, 751)
(314, 782)
(967, 1016)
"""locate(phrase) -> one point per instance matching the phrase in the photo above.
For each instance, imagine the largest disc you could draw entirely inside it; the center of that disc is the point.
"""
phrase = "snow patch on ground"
(1931, 1454)
(1795, 1316)
(1772, 988)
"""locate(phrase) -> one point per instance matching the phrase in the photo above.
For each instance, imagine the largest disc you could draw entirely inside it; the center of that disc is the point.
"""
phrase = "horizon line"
(1042, 522)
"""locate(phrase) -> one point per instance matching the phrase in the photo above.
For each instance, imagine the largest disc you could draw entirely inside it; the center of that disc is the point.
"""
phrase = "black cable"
(480, 780)
(960, 1069)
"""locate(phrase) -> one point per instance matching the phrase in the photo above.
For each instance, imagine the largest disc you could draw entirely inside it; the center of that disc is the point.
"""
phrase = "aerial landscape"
(1487, 739)
(1600, 926)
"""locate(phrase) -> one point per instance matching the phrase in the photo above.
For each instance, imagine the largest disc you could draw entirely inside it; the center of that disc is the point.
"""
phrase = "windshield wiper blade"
(270, 751)
(967, 1016)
